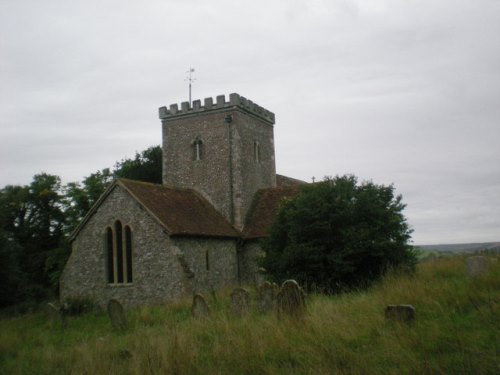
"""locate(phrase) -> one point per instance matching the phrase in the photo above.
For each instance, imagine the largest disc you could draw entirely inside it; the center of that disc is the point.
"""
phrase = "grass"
(456, 332)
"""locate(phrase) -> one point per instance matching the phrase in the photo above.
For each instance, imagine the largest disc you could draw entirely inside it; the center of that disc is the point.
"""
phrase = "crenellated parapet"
(235, 100)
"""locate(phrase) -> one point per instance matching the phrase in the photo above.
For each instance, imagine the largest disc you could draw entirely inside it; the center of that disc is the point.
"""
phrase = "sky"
(395, 92)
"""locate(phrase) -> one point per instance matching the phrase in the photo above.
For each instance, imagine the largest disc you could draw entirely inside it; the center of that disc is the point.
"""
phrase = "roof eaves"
(92, 211)
(122, 183)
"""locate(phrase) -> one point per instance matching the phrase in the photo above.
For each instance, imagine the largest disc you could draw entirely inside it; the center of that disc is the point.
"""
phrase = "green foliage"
(32, 220)
(81, 196)
(146, 166)
(338, 234)
(35, 220)
(10, 272)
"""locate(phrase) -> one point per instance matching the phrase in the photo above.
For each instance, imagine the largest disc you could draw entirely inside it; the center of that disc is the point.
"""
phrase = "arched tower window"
(119, 254)
(197, 149)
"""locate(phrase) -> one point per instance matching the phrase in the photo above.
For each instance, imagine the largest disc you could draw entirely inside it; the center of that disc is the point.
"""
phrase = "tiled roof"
(183, 212)
(265, 208)
(180, 211)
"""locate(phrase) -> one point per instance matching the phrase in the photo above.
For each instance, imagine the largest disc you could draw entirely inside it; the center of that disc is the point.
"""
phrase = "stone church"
(145, 243)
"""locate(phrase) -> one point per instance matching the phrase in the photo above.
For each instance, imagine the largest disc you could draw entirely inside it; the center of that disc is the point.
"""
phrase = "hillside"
(455, 332)
(463, 247)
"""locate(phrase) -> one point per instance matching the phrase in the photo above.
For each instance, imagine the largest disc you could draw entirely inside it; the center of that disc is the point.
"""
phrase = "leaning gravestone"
(291, 300)
(477, 265)
(400, 313)
(200, 308)
(266, 297)
(240, 302)
(117, 315)
(54, 314)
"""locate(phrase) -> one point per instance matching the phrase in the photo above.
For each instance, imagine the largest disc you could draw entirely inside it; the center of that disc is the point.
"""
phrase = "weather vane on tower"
(190, 79)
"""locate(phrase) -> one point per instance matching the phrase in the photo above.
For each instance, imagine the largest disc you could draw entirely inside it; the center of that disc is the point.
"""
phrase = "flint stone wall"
(249, 266)
(228, 174)
(222, 262)
(158, 274)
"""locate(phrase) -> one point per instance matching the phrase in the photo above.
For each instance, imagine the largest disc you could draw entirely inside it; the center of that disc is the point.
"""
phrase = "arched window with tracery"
(119, 254)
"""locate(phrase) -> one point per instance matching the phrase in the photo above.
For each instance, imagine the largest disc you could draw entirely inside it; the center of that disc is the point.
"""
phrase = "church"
(199, 230)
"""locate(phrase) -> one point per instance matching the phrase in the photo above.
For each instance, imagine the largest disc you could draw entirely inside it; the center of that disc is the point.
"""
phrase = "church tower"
(224, 150)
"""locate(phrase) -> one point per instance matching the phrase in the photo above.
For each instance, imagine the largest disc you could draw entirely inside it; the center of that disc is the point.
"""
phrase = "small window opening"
(256, 151)
(207, 261)
(198, 149)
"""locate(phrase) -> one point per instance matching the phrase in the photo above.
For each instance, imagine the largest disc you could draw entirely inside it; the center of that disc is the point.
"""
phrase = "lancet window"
(119, 254)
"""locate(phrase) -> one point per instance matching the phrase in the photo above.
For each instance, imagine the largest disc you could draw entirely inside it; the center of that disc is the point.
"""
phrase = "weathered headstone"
(400, 313)
(266, 297)
(260, 276)
(240, 302)
(200, 308)
(291, 300)
(117, 315)
(55, 314)
(477, 265)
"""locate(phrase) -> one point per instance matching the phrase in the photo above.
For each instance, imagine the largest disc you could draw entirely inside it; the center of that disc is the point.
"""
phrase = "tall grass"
(456, 332)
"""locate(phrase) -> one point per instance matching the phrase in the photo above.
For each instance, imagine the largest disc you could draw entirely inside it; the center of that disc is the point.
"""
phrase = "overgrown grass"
(456, 332)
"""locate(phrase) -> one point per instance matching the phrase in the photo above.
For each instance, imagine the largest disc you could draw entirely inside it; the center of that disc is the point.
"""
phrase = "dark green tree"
(11, 277)
(32, 220)
(338, 234)
(79, 197)
(146, 166)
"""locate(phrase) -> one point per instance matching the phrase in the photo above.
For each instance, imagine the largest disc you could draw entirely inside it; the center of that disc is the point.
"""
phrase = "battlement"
(235, 100)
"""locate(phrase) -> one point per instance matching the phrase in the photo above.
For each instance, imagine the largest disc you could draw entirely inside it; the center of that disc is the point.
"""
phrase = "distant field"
(455, 332)
(426, 251)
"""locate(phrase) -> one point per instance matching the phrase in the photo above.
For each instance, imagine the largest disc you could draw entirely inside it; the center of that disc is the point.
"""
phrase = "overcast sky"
(394, 91)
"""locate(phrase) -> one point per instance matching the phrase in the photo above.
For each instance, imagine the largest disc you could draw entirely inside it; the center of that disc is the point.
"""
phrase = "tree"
(79, 197)
(10, 273)
(338, 234)
(146, 166)
(31, 221)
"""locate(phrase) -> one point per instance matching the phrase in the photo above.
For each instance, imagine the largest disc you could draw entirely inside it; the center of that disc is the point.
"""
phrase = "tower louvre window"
(119, 254)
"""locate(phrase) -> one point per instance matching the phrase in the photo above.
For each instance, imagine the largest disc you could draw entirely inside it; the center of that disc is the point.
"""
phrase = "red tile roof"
(183, 212)
(180, 211)
(265, 208)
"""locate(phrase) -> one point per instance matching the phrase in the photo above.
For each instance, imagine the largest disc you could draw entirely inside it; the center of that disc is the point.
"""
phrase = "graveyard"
(443, 319)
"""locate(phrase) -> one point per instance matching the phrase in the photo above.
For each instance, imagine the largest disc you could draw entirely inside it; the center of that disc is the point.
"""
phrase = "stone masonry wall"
(249, 174)
(209, 176)
(228, 174)
(222, 262)
(249, 256)
(157, 273)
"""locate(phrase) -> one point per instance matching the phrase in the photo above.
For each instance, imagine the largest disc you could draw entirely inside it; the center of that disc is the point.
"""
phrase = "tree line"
(36, 219)
(335, 235)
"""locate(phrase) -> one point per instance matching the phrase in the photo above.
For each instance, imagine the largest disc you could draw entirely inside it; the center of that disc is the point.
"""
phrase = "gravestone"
(400, 313)
(291, 300)
(240, 302)
(200, 308)
(117, 315)
(55, 314)
(477, 265)
(266, 297)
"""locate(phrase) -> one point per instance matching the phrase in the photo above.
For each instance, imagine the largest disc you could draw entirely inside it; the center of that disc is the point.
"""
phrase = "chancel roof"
(265, 208)
(180, 211)
(184, 212)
